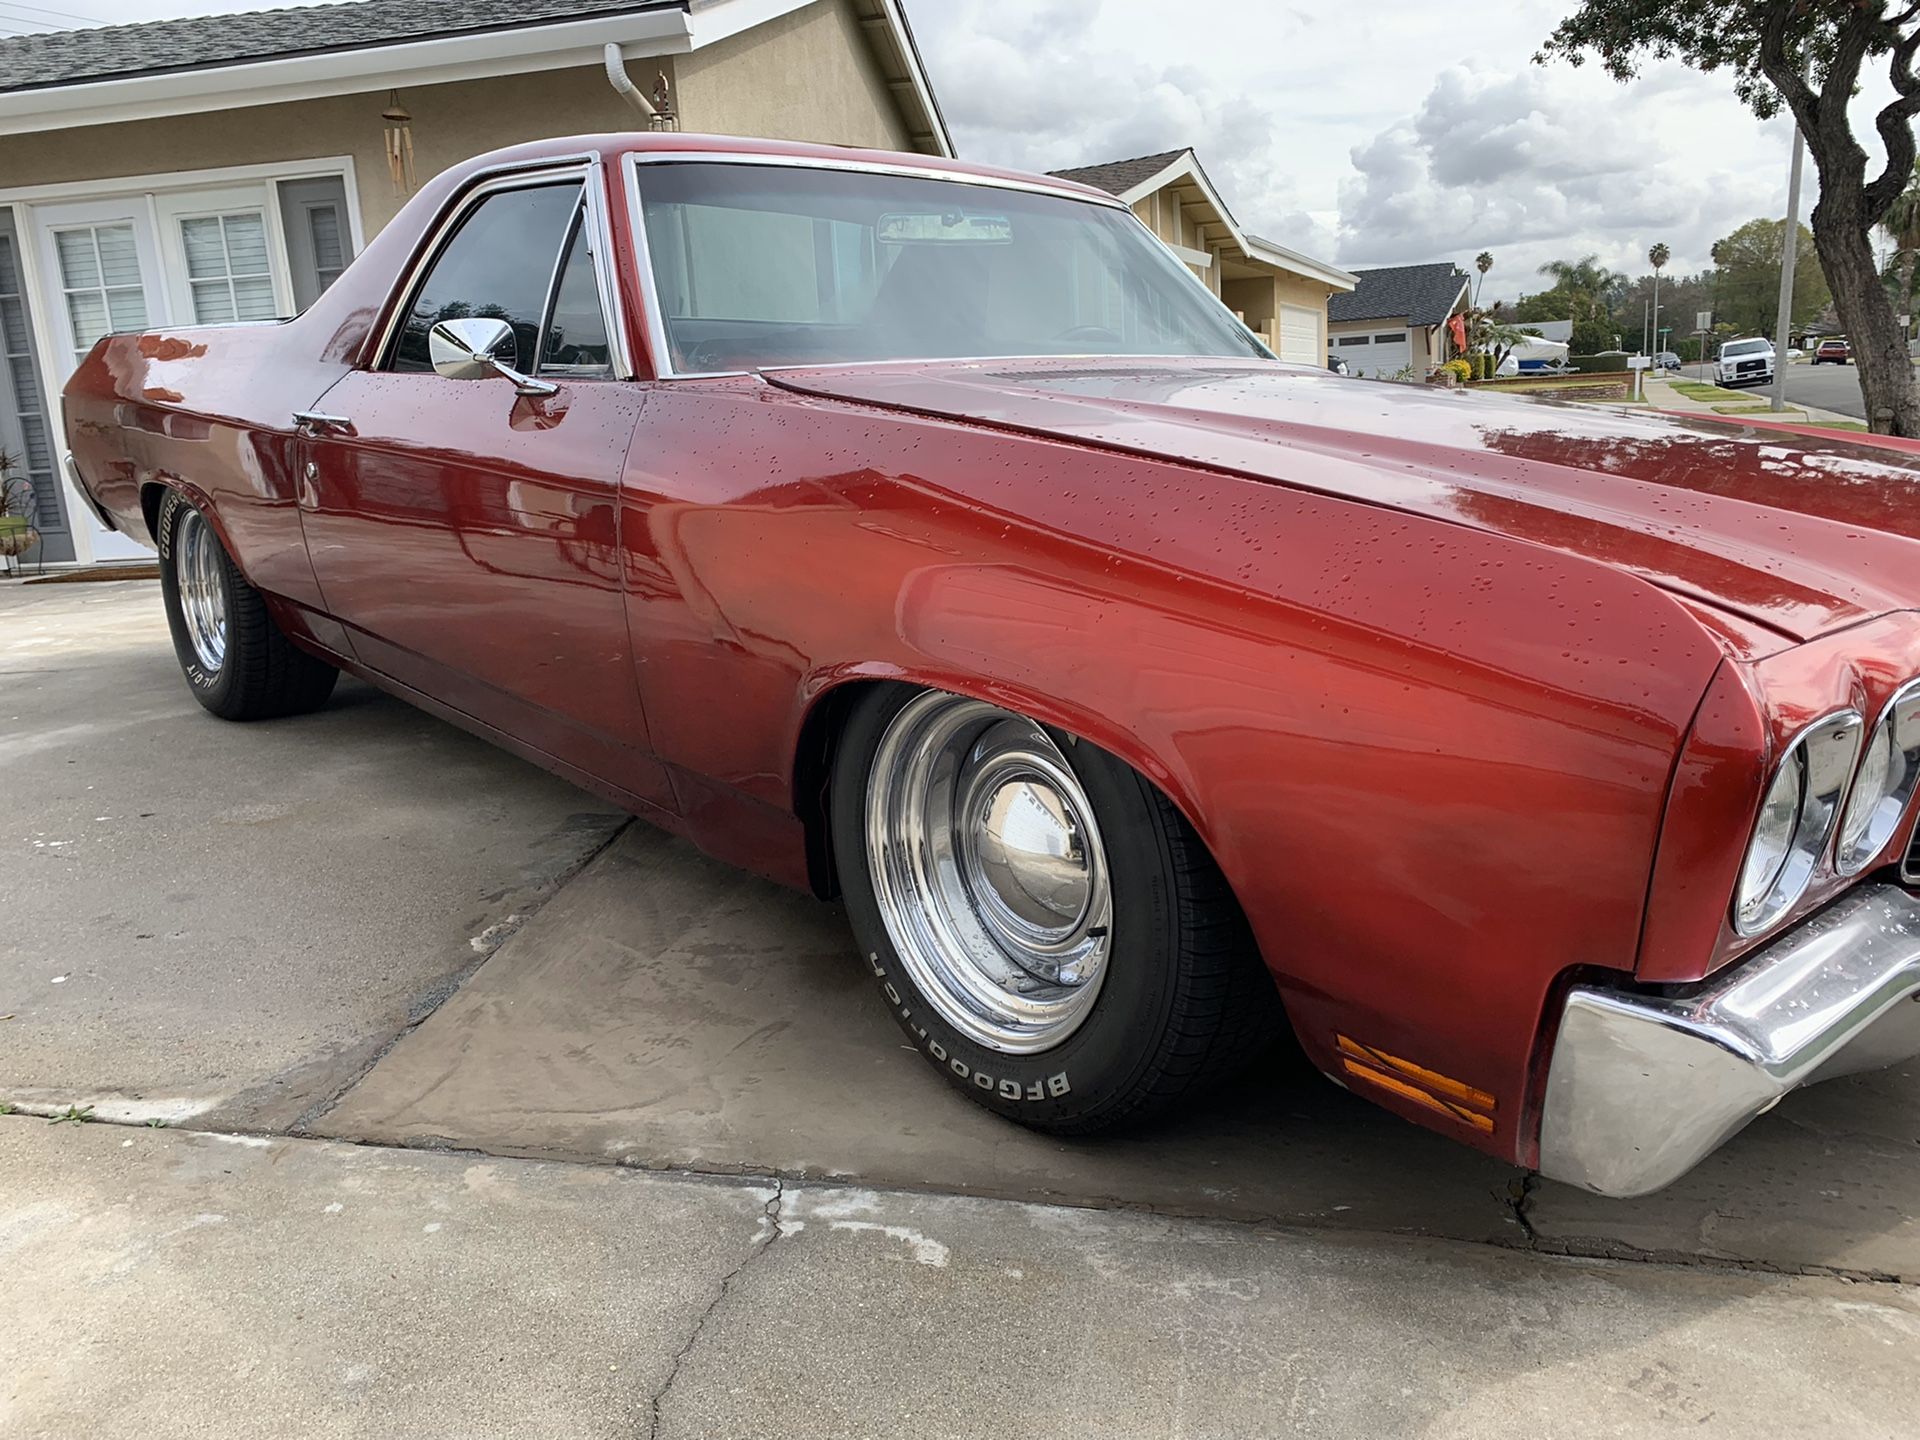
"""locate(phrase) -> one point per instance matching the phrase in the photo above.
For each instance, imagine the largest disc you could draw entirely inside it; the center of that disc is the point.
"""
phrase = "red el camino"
(927, 535)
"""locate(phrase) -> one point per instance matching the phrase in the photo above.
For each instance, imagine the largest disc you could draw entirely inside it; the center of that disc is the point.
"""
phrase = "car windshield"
(767, 265)
(1745, 347)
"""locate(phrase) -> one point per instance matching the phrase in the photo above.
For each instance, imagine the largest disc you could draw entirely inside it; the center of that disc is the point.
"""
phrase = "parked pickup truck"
(1745, 362)
(927, 535)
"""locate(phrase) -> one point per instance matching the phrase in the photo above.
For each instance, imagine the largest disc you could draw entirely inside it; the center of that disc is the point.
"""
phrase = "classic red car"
(928, 535)
(1832, 352)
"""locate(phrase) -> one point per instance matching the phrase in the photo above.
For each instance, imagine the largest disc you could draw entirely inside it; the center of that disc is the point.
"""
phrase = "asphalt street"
(1828, 387)
(493, 1113)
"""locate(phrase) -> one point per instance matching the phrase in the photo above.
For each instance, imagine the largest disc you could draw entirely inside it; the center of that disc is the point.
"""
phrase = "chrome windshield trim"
(657, 350)
(1036, 185)
(1642, 1087)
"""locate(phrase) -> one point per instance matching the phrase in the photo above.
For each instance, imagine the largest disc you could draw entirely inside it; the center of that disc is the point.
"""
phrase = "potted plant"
(17, 535)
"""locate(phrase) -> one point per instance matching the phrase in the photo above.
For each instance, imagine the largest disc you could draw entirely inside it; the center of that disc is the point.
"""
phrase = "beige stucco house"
(227, 168)
(1280, 293)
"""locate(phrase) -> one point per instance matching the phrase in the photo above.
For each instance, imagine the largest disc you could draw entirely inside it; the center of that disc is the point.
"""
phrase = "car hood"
(1800, 534)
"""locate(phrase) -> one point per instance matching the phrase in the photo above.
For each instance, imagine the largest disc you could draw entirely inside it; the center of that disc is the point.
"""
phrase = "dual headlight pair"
(1803, 806)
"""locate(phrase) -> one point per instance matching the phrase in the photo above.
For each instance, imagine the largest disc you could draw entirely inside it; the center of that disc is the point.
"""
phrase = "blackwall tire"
(237, 661)
(1079, 869)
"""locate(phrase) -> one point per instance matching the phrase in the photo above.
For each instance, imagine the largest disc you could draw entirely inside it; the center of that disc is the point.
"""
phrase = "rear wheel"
(238, 662)
(1041, 921)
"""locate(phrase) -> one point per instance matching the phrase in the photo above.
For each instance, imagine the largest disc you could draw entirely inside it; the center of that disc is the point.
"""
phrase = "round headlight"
(1772, 838)
(1884, 784)
(1797, 818)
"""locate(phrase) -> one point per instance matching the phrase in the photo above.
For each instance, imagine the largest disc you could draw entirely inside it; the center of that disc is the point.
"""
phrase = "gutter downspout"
(623, 85)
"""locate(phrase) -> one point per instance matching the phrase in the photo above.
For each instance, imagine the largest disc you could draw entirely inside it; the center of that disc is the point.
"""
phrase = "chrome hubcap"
(989, 872)
(203, 593)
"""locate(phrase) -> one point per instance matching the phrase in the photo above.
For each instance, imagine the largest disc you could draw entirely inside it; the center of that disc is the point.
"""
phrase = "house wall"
(1259, 300)
(809, 76)
(1162, 213)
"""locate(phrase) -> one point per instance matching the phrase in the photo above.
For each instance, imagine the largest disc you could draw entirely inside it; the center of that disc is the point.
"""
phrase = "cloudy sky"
(1381, 133)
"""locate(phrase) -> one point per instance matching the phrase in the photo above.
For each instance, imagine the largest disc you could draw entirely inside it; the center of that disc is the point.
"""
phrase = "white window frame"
(44, 324)
(173, 211)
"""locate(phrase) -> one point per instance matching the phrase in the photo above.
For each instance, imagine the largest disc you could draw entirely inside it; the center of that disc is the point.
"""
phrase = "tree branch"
(1895, 124)
(1785, 71)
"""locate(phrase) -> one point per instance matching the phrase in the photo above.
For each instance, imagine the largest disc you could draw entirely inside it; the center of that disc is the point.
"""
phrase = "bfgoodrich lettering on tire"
(1040, 920)
(237, 661)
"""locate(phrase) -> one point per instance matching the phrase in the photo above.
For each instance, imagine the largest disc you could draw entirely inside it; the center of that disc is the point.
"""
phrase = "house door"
(100, 272)
(217, 256)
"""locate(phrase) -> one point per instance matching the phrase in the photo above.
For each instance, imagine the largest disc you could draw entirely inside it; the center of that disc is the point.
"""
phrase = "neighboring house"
(228, 167)
(1281, 294)
(1395, 319)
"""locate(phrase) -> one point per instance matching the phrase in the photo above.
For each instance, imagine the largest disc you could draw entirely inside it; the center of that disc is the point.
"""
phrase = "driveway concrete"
(164, 1285)
(668, 1011)
(242, 919)
(202, 917)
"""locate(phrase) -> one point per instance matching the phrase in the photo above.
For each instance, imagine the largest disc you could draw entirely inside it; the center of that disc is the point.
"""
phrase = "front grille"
(1747, 365)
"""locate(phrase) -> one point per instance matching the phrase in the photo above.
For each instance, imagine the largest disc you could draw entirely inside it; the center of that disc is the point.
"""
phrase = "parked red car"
(1832, 352)
(926, 534)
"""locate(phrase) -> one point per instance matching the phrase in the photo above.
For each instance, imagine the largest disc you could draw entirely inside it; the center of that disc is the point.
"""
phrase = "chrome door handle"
(313, 422)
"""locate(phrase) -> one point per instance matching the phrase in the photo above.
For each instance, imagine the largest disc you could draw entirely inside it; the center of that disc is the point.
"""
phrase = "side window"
(576, 339)
(498, 263)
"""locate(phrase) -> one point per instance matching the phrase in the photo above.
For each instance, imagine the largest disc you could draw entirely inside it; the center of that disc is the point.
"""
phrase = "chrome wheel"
(989, 872)
(200, 574)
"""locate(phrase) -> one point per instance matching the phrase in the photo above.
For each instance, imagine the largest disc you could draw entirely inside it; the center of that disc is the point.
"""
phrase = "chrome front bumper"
(1643, 1087)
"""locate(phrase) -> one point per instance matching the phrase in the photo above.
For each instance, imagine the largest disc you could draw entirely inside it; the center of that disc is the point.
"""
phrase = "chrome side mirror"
(469, 349)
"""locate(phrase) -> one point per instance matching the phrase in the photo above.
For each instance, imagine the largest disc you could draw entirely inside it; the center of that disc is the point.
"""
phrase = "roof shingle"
(1423, 294)
(69, 57)
(1116, 177)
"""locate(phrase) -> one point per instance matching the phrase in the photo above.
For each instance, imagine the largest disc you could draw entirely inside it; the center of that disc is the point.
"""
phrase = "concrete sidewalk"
(1660, 393)
(161, 1284)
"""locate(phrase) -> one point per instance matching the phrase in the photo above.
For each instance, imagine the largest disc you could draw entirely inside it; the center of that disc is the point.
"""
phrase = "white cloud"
(1394, 131)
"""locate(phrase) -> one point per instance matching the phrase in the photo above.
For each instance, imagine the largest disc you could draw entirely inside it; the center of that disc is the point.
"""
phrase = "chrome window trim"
(1782, 904)
(663, 367)
(589, 172)
(1903, 692)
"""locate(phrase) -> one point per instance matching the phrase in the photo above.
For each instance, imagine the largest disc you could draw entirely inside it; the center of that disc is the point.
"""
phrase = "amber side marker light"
(1452, 1098)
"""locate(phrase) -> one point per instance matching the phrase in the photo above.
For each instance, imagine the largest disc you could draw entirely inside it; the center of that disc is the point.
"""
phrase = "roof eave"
(443, 59)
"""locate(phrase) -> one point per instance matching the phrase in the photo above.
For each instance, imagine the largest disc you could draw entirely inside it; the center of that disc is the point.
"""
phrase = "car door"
(467, 534)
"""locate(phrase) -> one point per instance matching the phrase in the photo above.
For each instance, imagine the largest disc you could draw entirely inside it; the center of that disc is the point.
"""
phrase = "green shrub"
(1597, 364)
(1461, 371)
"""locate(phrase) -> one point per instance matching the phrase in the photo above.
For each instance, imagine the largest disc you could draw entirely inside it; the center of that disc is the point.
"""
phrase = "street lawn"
(1752, 409)
(1696, 390)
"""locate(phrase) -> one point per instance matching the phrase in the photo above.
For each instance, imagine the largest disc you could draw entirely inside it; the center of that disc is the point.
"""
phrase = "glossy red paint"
(1465, 694)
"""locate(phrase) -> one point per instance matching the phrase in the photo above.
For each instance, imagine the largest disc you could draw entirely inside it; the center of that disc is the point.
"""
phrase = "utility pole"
(1789, 244)
(1656, 306)
(1643, 327)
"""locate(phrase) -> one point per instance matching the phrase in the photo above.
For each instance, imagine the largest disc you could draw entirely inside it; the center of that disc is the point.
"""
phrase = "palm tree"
(1902, 222)
(1585, 274)
(1483, 262)
(1657, 257)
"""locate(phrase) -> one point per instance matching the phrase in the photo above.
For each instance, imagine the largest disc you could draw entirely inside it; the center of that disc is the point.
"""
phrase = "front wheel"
(238, 662)
(1041, 921)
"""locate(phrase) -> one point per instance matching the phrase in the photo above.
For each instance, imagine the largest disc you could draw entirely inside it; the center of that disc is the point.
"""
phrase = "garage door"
(1387, 354)
(1373, 352)
(1300, 335)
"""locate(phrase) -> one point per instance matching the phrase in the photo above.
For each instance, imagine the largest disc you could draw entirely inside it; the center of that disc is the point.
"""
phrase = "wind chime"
(399, 144)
